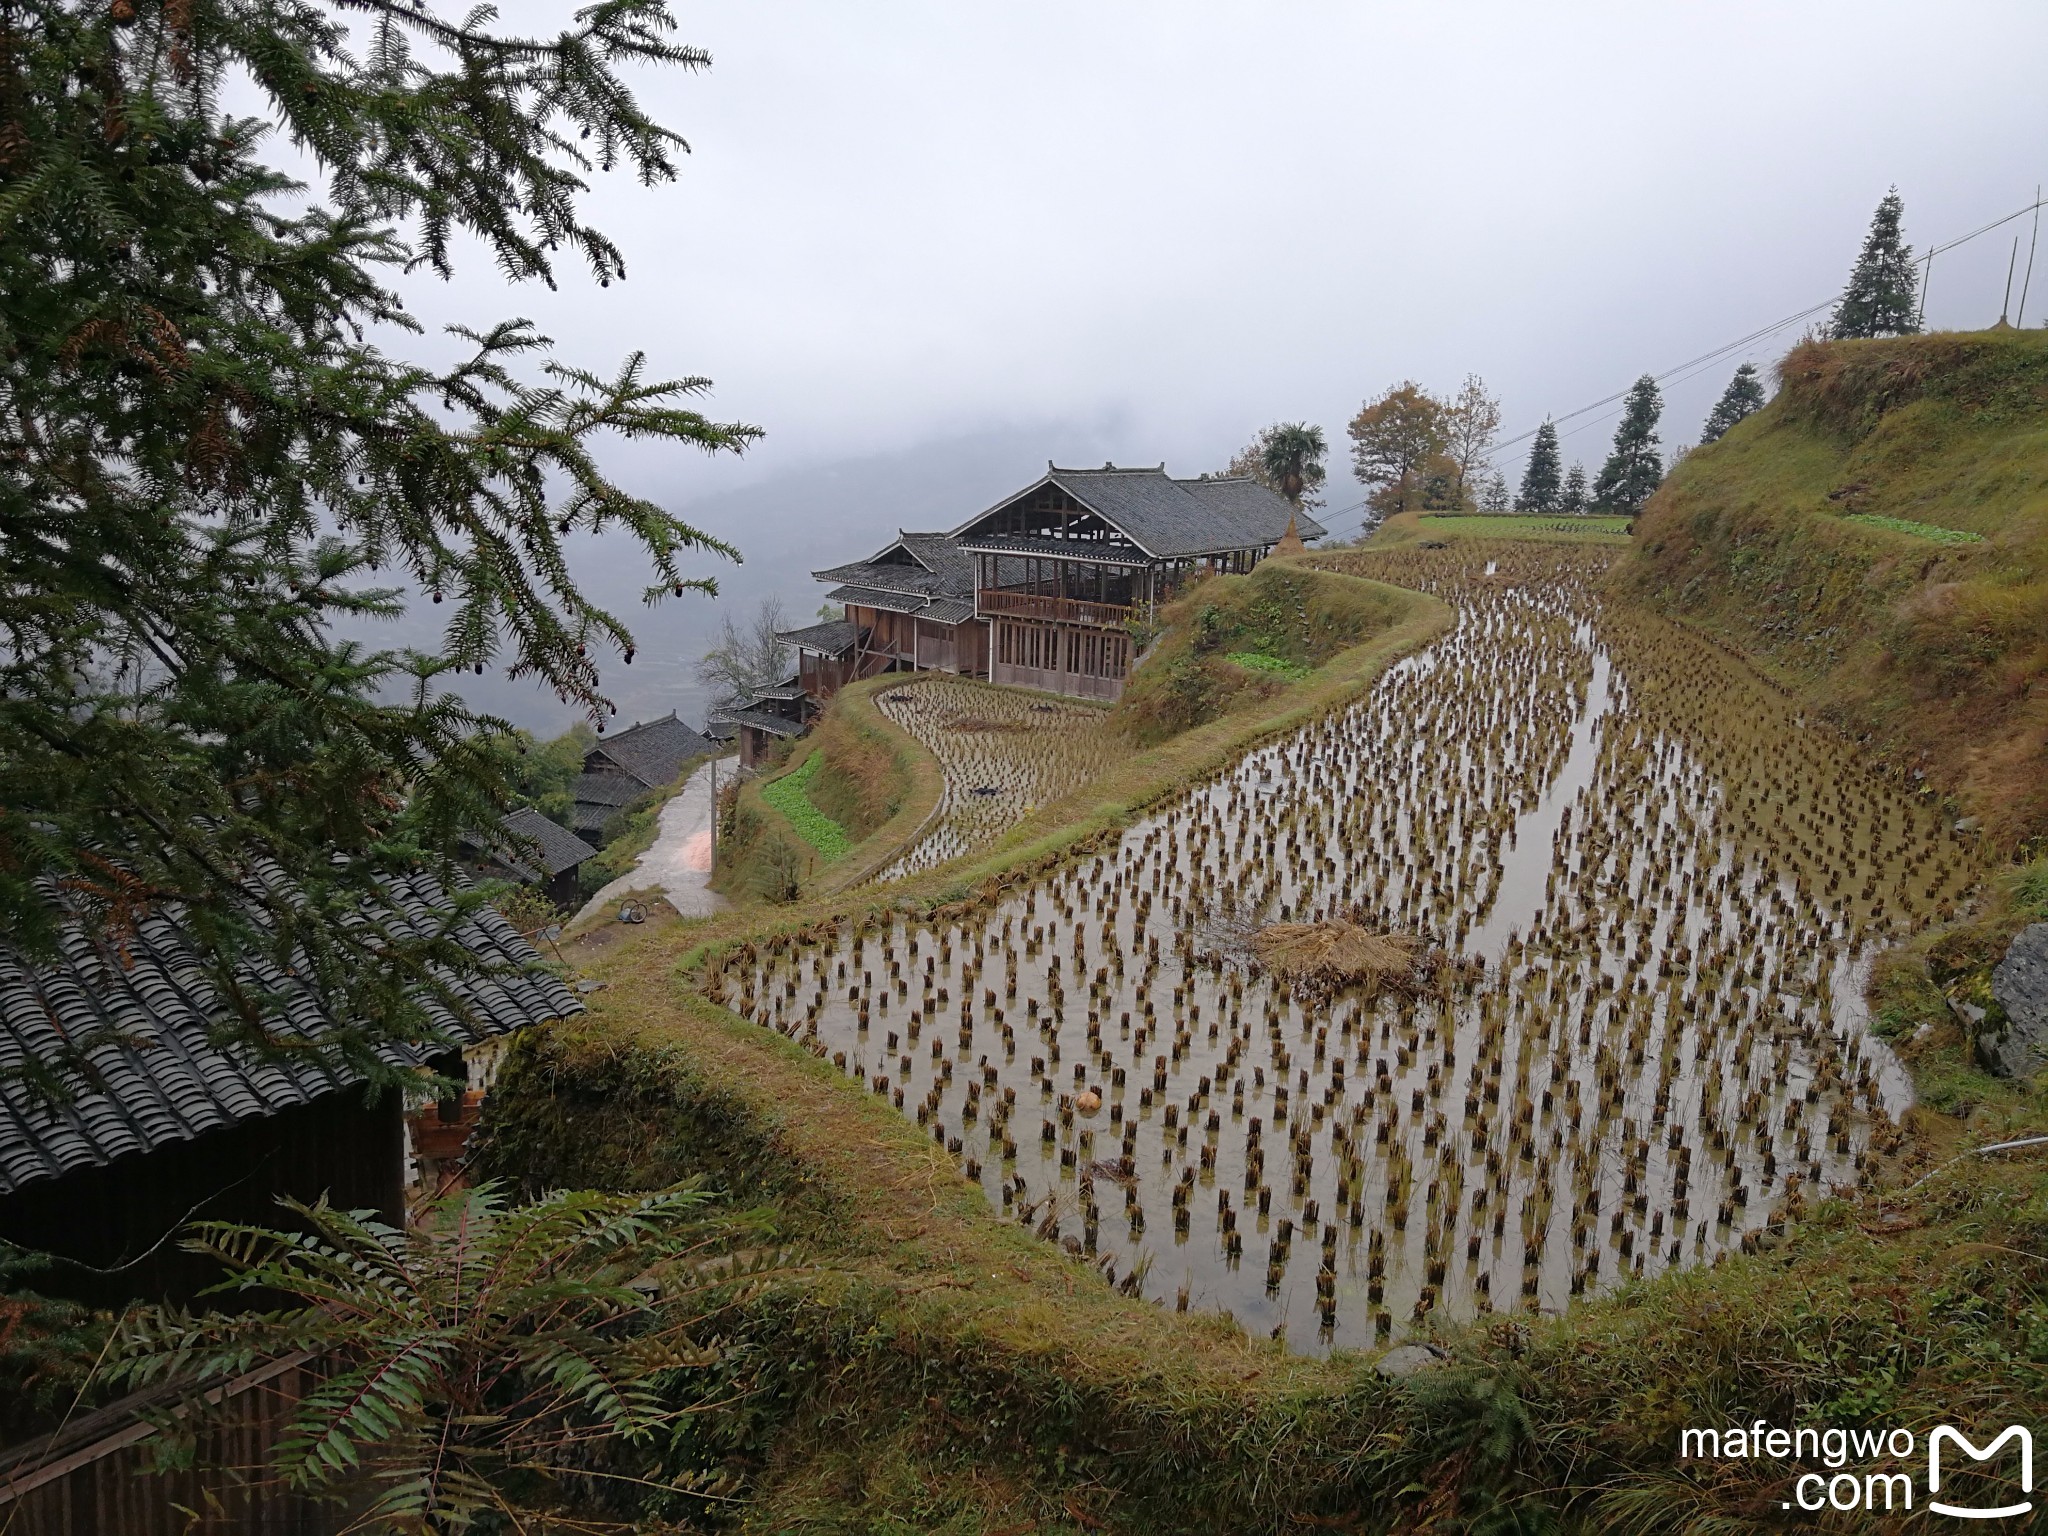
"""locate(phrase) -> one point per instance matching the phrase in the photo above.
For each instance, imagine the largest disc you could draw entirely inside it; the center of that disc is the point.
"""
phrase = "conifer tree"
(1542, 477)
(1879, 300)
(214, 446)
(1633, 468)
(1744, 394)
(1573, 498)
(1494, 496)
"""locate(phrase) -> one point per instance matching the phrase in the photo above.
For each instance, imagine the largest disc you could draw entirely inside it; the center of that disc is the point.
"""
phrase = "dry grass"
(1323, 958)
(1935, 654)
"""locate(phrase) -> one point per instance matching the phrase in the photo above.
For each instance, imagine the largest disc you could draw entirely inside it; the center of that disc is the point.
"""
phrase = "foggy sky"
(929, 246)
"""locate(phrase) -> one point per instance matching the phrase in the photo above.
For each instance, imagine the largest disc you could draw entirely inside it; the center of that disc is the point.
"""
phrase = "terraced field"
(1640, 894)
(1004, 753)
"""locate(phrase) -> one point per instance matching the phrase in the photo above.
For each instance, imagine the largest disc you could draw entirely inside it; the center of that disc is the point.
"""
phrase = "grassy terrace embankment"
(1878, 537)
(939, 1369)
(1235, 643)
(869, 781)
(1545, 528)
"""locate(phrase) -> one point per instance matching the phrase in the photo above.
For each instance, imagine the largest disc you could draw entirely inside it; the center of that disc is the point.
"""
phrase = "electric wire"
(1692, 366)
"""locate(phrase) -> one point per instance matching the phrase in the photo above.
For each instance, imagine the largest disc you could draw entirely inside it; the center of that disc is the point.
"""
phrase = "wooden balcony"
(1000, 603)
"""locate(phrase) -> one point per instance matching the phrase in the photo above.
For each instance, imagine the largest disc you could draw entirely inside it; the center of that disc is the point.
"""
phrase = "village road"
(678, 866)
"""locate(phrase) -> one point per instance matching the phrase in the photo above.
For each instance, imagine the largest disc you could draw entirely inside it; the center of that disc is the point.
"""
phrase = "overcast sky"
(929, 246)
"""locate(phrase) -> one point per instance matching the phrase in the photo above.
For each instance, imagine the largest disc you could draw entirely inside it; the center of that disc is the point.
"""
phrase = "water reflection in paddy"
(1666, 890)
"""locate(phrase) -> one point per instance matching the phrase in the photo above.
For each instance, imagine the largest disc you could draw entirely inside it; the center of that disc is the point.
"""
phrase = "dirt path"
(678, 866)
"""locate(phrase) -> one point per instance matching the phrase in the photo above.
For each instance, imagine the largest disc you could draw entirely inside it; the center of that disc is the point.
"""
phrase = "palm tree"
(1292, 458)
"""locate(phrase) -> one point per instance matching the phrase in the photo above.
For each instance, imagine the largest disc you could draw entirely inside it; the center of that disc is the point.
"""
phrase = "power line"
(1720, 353)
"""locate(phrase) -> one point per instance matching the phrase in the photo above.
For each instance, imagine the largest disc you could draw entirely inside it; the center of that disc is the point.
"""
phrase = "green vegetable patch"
(787, 795)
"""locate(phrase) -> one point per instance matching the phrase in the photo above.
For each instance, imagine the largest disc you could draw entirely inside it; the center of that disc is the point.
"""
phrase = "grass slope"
(1878, 537)
(1234, 642)
(790, 795)
(857, 772)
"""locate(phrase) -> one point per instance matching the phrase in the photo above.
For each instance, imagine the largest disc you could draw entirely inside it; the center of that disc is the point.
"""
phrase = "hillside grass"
(1234, 643)
(790, 795)
(1831, 537)
(856, 772)
(1519, 525)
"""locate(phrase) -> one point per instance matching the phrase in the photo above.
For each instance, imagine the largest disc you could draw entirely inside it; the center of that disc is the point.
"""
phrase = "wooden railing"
(97, 1476)
(997, 602)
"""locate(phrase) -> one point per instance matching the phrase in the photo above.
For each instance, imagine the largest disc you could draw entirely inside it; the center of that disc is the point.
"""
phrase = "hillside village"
(1440, 973)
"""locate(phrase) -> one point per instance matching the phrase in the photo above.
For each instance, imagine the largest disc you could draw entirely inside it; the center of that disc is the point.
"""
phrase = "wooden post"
(2027, 281)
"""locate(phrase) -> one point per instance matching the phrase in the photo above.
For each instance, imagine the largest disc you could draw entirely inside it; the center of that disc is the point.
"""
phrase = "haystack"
(1322, 958)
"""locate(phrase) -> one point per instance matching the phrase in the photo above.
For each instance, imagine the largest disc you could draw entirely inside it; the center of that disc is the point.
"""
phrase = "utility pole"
(2012, 262)
(2027, 281)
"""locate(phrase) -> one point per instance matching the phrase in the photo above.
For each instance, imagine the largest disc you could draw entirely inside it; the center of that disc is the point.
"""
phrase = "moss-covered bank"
(1784, 538)
(1237, 641)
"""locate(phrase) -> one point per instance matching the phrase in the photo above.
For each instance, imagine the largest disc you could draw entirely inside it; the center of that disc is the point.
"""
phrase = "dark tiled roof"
(1169, 518)
(948, 610)
(534, 839)
(610, 790)
(654, 752)
(884, 576)
(1094, 551)
(589, 820)
(761, 720)
(1258, 506)
(155, 1077)
(834, 637)
(941, 553)
(874, 597)
(924, 564)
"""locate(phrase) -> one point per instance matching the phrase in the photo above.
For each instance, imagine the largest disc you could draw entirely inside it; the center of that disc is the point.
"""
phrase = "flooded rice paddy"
(1664, 889)
(1003, 752)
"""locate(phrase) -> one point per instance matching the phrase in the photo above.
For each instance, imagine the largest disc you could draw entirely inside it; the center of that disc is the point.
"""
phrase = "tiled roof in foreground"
(131, 1047)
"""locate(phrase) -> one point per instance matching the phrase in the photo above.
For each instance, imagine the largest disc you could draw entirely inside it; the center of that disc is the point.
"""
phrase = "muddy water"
(1003, 753)
(1666, 889)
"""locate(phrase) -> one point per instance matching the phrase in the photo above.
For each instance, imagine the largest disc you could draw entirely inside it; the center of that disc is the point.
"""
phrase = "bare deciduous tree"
(1471, 423)
(748, 656)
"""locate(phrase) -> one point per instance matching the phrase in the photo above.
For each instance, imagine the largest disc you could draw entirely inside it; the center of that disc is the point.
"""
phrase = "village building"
(766, 716)
(620, 769)
(124, 1118)
(1055, 587)
(533, 850)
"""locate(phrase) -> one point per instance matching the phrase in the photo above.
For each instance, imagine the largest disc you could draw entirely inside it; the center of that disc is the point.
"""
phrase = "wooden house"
(767, 716)
(533, 851)
(620, 769)
(1052, 588)
(909, 608)
(123, 1118)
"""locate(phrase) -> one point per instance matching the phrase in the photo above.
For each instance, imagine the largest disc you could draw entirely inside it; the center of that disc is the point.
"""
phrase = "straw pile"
(1320, 959)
